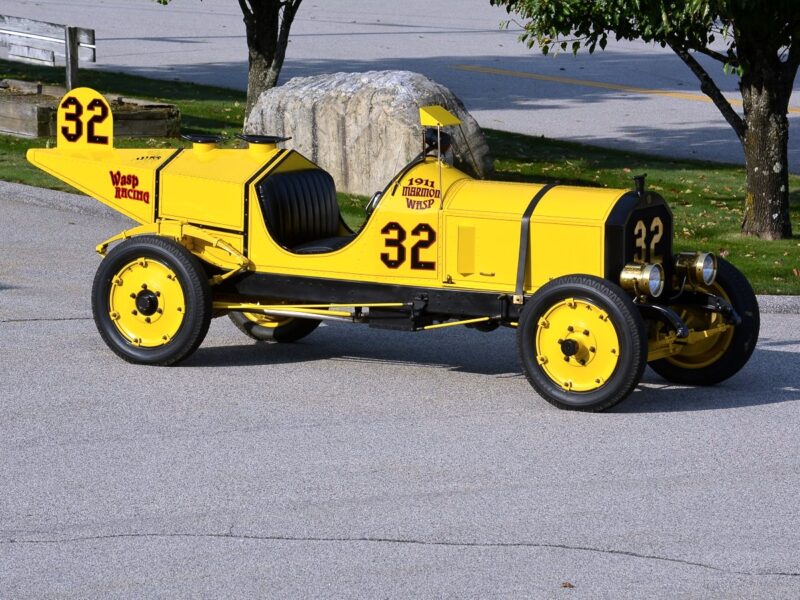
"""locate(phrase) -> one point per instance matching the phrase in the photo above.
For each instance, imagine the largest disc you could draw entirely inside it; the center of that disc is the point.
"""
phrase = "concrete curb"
(786, 305)
(84, 205)
(77, 203)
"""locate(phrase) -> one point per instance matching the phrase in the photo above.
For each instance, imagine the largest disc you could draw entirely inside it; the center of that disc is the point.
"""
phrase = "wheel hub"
(146, 302)
(577, 345)
(569, 347)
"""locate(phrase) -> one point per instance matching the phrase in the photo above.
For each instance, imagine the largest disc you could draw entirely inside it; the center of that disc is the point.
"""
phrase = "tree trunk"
(261, 75)
(765, 142)
(267, 24)
(766, 84)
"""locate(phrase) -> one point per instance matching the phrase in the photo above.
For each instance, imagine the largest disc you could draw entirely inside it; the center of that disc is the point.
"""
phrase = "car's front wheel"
(582, 343)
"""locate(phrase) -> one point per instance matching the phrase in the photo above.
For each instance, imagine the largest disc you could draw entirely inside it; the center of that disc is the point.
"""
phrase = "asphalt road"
(363, 463)
(631, 96)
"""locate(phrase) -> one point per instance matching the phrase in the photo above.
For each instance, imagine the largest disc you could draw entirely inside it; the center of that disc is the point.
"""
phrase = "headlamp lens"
(655, 280)
(709, 269)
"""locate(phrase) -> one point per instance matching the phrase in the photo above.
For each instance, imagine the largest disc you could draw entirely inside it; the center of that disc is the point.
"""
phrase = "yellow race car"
(587, 276)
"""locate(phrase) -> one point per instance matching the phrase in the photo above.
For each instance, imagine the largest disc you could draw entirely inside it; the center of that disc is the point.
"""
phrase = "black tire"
(621, 360)
(188, 276)
(733, 353)
(291, 330)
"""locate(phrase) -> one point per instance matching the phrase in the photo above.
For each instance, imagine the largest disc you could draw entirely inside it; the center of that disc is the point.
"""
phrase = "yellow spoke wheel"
(708, 351)
(266, 328)
(718, 357)
(151, 301)
(267, 321)
(146, 302)
(582, 343)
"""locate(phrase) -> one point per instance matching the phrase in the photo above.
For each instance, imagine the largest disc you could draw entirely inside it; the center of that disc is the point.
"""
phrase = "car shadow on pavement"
(771, 376)
(461, 349)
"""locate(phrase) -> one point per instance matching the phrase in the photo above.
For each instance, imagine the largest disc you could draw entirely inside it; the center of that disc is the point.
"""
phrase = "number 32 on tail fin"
(84, 121)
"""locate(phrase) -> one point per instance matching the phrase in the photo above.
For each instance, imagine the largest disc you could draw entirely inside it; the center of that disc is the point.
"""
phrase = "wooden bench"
(39, 42)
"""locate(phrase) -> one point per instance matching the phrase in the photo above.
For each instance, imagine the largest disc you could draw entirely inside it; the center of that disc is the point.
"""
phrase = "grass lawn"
(706, 198)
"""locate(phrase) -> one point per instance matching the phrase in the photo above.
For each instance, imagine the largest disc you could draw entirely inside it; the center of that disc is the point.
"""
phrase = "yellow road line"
(598, 84)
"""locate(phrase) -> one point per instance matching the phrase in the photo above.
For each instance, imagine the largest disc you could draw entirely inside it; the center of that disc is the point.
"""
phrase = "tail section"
(85, 157)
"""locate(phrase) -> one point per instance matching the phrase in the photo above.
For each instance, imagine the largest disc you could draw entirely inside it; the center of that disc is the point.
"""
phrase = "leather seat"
(322, 246)
(301, 211)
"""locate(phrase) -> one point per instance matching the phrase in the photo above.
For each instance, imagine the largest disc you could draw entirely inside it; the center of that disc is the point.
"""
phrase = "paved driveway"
(366, 463)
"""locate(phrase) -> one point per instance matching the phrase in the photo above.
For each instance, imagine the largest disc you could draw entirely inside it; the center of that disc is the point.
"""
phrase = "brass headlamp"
(643, 279)
(698, 268)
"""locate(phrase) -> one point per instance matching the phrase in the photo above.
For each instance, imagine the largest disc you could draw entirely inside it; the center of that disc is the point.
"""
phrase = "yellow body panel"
(564, 249)
(566, 204)
(472, 248)
(482, 221)
(491, 198)
(122, 179)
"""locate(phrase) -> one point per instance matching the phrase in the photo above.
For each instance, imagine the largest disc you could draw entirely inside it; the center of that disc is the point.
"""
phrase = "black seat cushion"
(299, 208)
(322, 246)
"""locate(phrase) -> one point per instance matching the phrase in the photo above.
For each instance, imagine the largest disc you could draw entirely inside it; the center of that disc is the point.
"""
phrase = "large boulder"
(364, 127)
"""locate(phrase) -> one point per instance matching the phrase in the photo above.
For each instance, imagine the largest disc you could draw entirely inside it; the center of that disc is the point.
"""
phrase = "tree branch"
(715, 55)
(289, 10)
(789, 68)
(248, 14)
(710, 89)
(793, 59)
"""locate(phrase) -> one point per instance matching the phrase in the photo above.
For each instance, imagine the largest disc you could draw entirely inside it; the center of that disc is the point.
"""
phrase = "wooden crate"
(19, 116)
(29, 110)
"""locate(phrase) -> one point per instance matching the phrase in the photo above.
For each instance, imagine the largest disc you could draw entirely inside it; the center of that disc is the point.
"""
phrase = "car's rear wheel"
(719, 357)
(582, 343)
(265, 328)
(151, 301)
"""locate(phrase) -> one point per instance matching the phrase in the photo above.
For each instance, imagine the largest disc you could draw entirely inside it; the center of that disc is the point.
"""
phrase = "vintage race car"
(587, 276)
